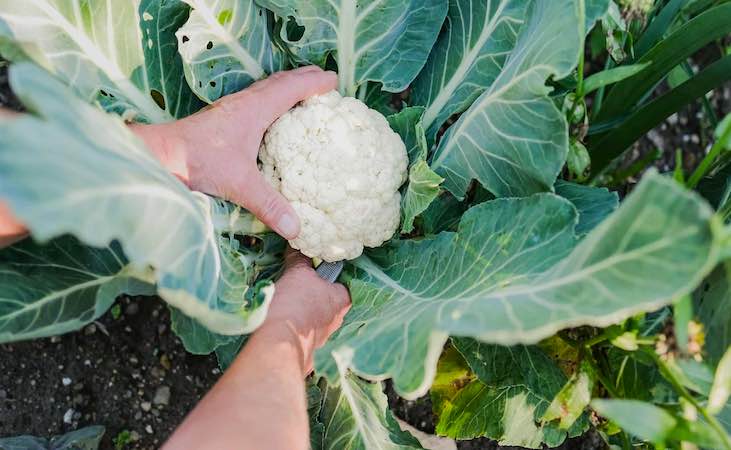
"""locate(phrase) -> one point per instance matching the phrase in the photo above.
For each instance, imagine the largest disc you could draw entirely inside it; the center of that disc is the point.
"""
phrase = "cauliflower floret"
(340, 166)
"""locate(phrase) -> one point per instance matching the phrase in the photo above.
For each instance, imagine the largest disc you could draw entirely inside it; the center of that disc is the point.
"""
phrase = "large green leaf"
(160, 19)
(88, 438)
(59, 287)
(225, 47)
(386, 41)
(505, 402)
(467, 58)
(354, 415)
(712, 304)
(594, 204)
(127, 197)
(513, 273)
(513, 138)
(120, 52)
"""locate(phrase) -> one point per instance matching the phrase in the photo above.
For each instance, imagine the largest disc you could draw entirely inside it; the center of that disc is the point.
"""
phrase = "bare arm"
(11, 230)
(260, 400)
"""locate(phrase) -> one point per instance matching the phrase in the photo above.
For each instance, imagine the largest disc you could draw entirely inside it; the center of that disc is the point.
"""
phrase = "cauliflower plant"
(340, 166)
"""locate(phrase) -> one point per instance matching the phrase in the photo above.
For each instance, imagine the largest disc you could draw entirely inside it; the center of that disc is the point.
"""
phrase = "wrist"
(285, 333)
(168, 145)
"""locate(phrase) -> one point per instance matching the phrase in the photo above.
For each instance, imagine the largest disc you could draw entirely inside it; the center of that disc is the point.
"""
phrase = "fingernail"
(288, 226)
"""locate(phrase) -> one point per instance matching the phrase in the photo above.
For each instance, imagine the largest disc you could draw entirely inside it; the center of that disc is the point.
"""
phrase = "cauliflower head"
(340, 166)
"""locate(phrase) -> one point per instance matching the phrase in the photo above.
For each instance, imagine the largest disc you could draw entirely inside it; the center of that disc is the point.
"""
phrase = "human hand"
(215, 150)
(306, 309)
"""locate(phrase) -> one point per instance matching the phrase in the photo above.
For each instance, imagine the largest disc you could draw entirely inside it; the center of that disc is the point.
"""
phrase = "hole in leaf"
(185, 39)
(103, 92)
(260, 13)
(158, 97)
(200, 84)
(212, 83)
(294, 30)
(209, 45)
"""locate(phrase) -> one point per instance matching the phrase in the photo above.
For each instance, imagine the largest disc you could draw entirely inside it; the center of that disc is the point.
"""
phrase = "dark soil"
(115, 372)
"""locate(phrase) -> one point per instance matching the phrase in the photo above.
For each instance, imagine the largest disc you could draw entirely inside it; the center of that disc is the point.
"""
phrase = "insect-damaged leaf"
(384, 41)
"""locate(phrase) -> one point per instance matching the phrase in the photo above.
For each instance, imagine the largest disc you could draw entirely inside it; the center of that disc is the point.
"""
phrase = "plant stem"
(596, 340)
(600, 375)
(708, 160)
(579, 97)
(683, 392)
(580, 69)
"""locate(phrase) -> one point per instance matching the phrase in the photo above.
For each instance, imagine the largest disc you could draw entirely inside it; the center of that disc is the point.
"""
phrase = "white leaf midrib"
(247, 60)
(463, 69)
(347, 23)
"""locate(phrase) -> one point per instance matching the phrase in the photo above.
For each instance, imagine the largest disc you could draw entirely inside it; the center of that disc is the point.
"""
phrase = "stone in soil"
(162, 396)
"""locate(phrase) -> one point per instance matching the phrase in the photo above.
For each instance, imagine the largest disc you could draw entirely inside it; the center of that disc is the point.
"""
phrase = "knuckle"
(341, 294)
(271, 208)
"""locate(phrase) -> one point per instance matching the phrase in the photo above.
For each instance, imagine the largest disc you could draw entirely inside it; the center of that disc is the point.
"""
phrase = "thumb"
(269, 206)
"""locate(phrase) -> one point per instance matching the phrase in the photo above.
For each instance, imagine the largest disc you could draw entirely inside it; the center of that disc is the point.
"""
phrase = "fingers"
(269, 206)
(283, 90)
(341, 298)
(293, 259)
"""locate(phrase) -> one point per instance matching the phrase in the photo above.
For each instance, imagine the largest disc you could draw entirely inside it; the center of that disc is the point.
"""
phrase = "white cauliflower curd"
(340, 166)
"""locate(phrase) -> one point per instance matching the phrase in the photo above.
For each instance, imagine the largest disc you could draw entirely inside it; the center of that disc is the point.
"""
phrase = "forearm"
(11, 230)
(258, 403)
(167, 143)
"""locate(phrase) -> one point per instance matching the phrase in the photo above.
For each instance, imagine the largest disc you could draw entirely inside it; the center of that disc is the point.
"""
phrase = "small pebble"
(134, 436)
(162, 396)
(146, 406)
(89, 330)
(68, 416)
(55, 339)
(66, 381)
(148, 428)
